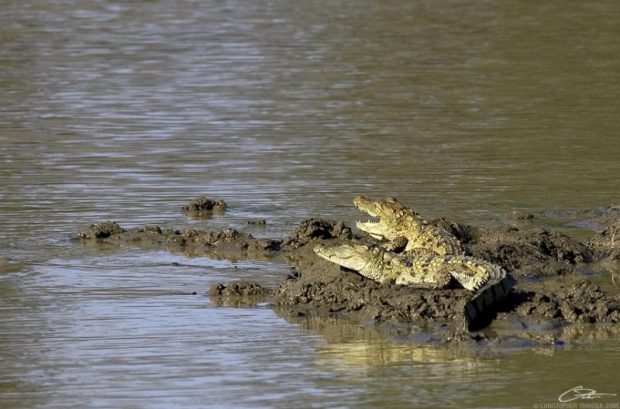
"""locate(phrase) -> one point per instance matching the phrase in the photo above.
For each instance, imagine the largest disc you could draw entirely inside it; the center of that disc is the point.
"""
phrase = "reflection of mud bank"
(351, 345)
(539, 262)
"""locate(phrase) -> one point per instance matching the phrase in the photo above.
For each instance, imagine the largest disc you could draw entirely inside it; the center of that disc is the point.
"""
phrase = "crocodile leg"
(368, 261)
(396, 245)
(472, 273)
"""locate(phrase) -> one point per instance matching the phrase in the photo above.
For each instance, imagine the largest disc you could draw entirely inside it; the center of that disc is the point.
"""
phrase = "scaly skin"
(396, 221)
(384, 267)
(426, 271)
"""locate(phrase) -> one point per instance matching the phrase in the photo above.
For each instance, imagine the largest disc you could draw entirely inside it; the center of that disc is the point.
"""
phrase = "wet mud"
(203, 207)
(239, 294)
(543, 294)
(191, 242)
(530, 254)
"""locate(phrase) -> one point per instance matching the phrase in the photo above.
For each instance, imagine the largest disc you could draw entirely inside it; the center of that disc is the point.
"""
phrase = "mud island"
(453, 281)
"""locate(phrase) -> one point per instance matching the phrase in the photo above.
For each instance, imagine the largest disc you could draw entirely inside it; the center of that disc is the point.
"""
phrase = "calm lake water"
(285, 109)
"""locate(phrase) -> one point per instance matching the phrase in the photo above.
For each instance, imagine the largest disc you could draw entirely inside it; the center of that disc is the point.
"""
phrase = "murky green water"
(127, 110)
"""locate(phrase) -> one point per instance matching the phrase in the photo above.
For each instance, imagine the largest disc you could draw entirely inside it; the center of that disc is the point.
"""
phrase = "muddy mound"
(318, 229)
(326, 290)
(325, 287)
(101, 231)
(531, 253)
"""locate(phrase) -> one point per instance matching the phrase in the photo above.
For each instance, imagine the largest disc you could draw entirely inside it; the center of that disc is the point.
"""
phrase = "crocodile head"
(375, 263)
(370, 261)
(351, 256)
(395, 219)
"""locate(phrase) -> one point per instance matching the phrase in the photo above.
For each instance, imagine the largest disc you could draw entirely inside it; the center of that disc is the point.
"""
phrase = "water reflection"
(8, 266)
(353, 346)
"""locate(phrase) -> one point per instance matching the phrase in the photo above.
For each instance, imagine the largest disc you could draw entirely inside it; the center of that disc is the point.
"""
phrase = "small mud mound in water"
(204, 207)
(101, 231)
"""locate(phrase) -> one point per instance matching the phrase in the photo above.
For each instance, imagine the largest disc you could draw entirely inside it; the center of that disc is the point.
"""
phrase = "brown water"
(127, 110)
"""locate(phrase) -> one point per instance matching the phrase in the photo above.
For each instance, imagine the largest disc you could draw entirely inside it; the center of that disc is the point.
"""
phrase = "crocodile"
(429, 258)
(405, 229)
(425, 271)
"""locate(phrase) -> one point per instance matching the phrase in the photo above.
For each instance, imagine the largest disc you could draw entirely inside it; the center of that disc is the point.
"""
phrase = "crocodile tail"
(481, 309)
(474, 274)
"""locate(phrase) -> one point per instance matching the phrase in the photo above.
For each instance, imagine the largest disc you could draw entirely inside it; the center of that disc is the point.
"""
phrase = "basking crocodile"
(405, 228)
(432, 255)
(425, 271)
(432, 258)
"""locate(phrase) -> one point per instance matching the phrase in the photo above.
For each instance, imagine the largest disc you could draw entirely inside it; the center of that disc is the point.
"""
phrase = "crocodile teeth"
(368, 222)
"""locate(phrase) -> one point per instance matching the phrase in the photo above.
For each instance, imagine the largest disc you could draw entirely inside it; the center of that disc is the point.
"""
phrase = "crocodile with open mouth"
(405, 229)
(431, 258)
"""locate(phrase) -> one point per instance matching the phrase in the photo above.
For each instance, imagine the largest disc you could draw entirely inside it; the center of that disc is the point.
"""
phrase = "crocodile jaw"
(385, 208)
(373, 228)
(375, 209)
(354, 257)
